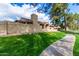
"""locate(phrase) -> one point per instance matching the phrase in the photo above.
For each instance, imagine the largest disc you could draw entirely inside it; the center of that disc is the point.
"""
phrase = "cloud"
(11, 13)
(42, 17)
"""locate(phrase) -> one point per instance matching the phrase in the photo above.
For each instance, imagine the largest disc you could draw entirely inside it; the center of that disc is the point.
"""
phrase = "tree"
(58, 11)
(72, 21)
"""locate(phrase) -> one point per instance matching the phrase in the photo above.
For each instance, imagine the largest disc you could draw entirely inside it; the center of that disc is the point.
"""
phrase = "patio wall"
(9, 28)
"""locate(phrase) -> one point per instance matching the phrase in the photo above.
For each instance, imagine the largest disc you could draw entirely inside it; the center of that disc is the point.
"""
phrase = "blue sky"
(74, 8)
(12, 12)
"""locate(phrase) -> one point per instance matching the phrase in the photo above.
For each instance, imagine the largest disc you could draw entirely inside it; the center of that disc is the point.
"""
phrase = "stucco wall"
(7, 27)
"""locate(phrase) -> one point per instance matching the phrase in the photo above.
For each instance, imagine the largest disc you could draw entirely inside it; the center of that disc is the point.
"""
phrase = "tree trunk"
(65, 27)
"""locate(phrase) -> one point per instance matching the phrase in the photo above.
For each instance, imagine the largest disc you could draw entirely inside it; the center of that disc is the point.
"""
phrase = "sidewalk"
(63, 47)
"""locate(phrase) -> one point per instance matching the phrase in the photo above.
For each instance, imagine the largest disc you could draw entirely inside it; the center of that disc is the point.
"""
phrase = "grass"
(28, 45)
(76, 46)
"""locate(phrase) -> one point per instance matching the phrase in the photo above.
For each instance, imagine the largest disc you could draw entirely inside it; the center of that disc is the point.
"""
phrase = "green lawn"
(76, 46)
(28, 45)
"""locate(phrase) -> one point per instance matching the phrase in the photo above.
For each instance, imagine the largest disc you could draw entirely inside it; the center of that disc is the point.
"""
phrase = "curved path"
(62, 47)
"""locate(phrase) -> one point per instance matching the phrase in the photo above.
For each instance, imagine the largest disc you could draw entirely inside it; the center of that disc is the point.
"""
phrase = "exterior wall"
(35, 27)
(49, 29)
(2, 28)
(9, 28)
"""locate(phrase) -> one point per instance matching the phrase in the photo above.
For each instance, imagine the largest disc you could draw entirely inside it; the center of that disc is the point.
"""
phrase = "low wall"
(7, 28)
(14, 28)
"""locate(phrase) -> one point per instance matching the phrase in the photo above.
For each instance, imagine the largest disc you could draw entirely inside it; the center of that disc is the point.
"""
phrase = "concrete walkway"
(63, 47)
